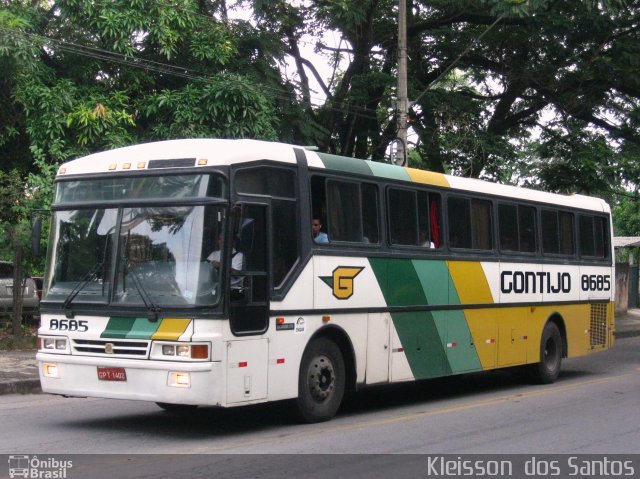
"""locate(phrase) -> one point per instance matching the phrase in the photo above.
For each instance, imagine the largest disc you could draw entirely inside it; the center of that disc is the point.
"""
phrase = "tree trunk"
(16, 312)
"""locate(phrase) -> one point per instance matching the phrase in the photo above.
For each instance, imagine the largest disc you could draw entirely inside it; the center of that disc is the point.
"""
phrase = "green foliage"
(626, 216)
(224, 107)
(543, 93)
(78, 76)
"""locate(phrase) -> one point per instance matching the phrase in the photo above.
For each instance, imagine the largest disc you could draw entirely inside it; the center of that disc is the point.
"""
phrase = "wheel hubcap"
(321, 378)
(550, 354)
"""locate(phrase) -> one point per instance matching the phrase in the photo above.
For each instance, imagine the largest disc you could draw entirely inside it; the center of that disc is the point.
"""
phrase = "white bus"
(187, 273)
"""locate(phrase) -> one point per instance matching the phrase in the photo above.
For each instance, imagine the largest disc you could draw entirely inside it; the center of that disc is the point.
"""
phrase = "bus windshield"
(144, 256)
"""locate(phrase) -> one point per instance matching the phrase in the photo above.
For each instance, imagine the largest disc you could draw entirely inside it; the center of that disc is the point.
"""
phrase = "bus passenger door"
(249, 303)
(247, 359)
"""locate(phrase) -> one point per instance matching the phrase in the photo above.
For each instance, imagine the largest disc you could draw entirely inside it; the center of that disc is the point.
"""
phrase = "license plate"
(112, 374)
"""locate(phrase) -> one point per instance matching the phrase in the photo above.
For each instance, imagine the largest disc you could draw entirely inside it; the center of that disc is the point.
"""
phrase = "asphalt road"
(593, 408)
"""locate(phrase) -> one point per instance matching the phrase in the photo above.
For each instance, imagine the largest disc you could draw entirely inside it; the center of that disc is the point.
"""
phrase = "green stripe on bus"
(463, 356)
(386, 170)
(436, 343)
(129, 328)
(142, 329)
(453, 326)
(398, 281)
(118, 328)
(417, 331)
(422, 344)
(432, 274)
(341, 163)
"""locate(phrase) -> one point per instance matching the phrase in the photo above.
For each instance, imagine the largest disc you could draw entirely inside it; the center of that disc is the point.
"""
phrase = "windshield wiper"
(89, 277)
(153, 310)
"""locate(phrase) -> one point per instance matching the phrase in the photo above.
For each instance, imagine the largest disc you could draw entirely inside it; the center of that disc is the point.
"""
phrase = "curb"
(627, 334)
(25, 386)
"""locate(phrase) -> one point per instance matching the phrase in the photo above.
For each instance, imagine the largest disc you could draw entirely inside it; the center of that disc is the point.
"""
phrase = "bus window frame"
(557, 256)
(607, 258)
(276, 292)
(359, 181)
(537, 252)
(464, 194)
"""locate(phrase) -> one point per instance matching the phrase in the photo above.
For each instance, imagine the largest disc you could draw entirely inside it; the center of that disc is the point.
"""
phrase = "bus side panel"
(378, 341)
(288, 339)
(437, 341)
(470, 286)
(483, 326)
(247, 370)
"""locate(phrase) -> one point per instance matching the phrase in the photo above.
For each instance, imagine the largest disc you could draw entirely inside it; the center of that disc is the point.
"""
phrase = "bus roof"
(207, 152)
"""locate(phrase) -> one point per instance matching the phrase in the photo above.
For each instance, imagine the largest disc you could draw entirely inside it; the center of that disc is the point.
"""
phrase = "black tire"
(321, 381)
(177, 408)
(548, 369)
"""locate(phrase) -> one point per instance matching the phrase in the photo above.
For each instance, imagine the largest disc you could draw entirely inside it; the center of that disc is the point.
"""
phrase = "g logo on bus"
(341, 282)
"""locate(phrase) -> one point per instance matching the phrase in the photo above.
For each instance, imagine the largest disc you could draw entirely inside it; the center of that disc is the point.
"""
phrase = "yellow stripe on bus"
(471, 283)
(171, 329)
(427, 177)
(473, 288)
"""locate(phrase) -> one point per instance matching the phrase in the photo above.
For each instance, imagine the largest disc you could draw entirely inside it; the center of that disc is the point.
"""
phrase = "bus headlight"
(53, 344)
(180, 351)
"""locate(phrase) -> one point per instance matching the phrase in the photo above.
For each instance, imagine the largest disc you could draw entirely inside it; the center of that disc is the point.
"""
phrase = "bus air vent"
(111, 348)
(598, 326)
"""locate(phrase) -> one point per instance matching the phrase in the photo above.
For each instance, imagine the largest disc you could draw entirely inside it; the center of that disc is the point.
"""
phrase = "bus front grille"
(598, 325)
(111, 348)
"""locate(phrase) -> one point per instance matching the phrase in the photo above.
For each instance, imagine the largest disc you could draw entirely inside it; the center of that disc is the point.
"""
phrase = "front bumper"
(147, 380)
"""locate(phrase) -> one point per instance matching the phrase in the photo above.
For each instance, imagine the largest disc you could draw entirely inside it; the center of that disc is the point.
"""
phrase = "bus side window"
(567, 234)
(403, 217)
(279, 184)
(517, 226)
(459, 222)
(347, 210)
(470, 225)
(594, 239)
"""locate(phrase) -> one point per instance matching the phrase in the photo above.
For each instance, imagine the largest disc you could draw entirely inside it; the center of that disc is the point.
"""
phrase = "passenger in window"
(318, 236)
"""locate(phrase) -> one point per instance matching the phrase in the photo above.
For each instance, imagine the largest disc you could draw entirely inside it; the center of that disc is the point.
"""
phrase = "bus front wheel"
(548, 369)
(321, 381)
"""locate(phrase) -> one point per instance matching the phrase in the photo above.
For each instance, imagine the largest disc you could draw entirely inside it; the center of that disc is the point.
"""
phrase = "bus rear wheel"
(321, 381)
(548, 369)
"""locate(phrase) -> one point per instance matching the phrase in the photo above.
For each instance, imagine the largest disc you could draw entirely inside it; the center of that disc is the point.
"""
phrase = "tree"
(14, 226)
(77, 76)
(521, 67)
(502, 89)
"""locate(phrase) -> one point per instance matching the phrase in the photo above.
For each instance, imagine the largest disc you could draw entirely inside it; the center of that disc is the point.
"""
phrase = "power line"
(458, 58)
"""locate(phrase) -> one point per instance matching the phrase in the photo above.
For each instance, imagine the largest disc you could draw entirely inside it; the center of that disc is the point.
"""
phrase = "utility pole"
(402, 101)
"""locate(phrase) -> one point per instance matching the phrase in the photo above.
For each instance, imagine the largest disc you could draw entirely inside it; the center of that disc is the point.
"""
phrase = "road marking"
(316, 430)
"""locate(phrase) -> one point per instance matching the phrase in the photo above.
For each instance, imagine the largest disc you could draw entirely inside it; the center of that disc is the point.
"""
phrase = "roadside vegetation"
(543, 94)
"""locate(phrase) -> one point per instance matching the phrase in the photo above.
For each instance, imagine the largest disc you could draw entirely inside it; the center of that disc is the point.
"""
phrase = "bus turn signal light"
(200, 351)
